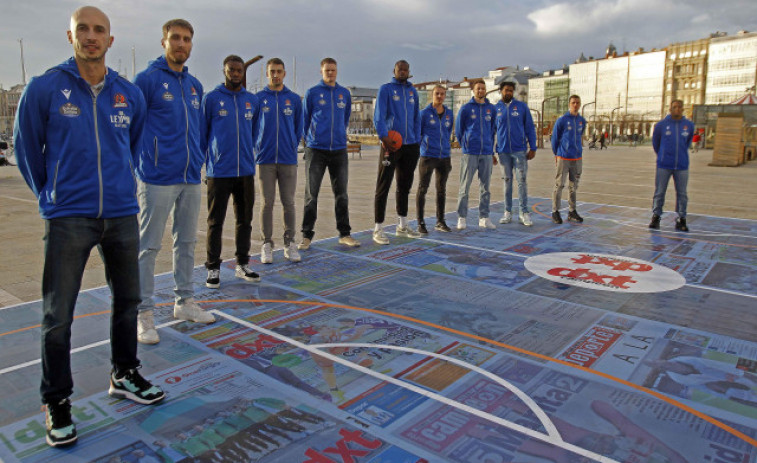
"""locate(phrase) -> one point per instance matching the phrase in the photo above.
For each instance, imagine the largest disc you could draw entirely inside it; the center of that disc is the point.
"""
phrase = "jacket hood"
(69, 66)
(222, 88)
(161, 63)
(266, 89)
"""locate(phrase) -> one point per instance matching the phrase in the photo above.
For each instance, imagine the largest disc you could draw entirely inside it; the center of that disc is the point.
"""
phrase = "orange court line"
(651, 392)
(654, 393)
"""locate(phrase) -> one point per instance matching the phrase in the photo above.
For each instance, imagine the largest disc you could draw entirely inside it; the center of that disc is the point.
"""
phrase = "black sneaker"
(681, 224)
(131, 385)
(442, 226)
(655, 223)
(422, 227)
(244, 272)
(214, 278)
(574, 217)
(556, 217)
(60, 430)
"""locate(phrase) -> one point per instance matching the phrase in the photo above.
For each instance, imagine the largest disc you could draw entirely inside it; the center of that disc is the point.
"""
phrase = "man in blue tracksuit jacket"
(475, 129)
(169, 170)
(328, 106)
(567, 136)
(515, 134)
(77, 135)
(436, 132)
(671, 139)
(278, 134)
(230, 114)
(397, 109)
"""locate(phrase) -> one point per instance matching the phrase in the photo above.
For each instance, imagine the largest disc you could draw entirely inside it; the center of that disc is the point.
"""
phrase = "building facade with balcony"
(686, 74)
(731, 67)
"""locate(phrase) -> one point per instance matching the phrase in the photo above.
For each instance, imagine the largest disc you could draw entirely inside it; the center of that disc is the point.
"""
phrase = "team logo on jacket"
(194, 92)
(120, 120)
(448, 122)
(168, 96)
(341, 104)
(248, 115)
(431, 120)
(66, 92)
(395, 97)
(488, 116)
(515, 112)
(119, 101)
(265, 108)
(222, 112)
(685, 132)
(288, 110)
(196, 103)
(69, 110)
(322, 102)
(247, 105)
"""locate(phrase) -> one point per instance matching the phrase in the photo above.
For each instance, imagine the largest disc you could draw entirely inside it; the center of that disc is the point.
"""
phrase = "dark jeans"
(403, 162)
(68, 242)
(316, 163)
(426, 167)
(242, 189)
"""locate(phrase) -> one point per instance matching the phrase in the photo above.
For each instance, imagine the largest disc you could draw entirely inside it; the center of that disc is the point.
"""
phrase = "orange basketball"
(396, 139)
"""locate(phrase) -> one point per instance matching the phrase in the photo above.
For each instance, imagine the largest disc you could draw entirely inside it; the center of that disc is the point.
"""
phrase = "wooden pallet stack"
(729, 141)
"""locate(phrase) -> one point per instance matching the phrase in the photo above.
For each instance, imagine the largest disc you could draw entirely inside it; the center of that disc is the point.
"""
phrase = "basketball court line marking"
(658, 395)
(553, 437)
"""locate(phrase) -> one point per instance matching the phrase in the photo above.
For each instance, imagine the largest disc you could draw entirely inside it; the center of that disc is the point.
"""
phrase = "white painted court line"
(552, 438)
(78, 349)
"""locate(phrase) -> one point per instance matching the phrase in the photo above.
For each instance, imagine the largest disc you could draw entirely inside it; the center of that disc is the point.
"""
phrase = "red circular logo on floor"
(605, 272)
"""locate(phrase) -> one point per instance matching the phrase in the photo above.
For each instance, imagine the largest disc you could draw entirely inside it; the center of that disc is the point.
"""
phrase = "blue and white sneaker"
(60, 430)
(131, 385)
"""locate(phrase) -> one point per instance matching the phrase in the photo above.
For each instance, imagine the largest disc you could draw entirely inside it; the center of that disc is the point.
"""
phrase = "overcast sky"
(440, 38)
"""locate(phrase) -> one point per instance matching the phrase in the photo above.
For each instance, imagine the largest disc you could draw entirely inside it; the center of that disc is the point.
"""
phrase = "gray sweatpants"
(572, 170)
(286, 176)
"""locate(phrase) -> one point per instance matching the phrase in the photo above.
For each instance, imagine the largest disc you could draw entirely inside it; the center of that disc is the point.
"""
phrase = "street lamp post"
(612, 134)
(541, 118)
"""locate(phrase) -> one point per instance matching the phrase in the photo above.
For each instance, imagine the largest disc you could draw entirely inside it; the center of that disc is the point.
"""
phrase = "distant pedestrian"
(230, 121)
(397, 108)
(671, 139)
(328, 106)
(567, 148)
(516, 145)
(436, 132)
(475, 128)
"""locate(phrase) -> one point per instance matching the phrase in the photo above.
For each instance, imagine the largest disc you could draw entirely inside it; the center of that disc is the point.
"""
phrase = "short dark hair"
(574, 96)
(438, 86)
(235, 58)
(402, 61)
(274, 61)
(506, 83)
(676, 101)
(177, 23)
(475, 82)
(326, 61)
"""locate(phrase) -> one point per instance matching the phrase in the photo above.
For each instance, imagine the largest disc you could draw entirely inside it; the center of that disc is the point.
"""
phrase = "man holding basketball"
(396, 109)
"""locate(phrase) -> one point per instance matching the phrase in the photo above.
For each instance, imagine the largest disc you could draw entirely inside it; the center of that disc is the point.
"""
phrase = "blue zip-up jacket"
(515, 127)
(671, 140)
(77, 151)
(397, 108)
(327, 115)
(476, 126)
(567, 135)
(229, 124)
(436, 132)
(171, 151)
(280, 127)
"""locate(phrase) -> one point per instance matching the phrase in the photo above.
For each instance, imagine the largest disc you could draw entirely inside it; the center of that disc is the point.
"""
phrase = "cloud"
(428, 46)
(701, 19)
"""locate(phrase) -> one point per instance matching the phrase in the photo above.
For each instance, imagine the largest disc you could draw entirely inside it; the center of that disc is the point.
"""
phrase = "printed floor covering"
(601, 341)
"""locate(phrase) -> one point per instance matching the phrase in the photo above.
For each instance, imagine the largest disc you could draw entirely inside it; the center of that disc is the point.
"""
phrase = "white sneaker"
(379, 237)
(245, 272)
(484, 222)
(506, 218)
(266, 253)
(304, 245)
(407, 232)
(192, 312)
(146, 332)
(291, 252)
(461, 223)
(525, 219)
(214, 279)
(347, 240)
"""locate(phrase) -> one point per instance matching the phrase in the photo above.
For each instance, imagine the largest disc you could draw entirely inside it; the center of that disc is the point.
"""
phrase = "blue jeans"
(470, 165)
(680, 180)
(68, 242)
(517, 161)
(316, 163)
(156, 203)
